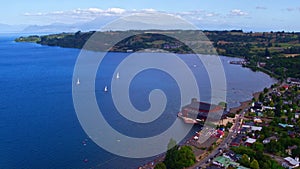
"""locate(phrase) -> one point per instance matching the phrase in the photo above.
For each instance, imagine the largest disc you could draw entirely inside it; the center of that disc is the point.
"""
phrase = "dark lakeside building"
(199, 110)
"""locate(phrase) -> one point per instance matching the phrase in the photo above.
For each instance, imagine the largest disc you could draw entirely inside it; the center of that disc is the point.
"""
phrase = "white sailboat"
(118, 75)
(78, 81)
(105, 89)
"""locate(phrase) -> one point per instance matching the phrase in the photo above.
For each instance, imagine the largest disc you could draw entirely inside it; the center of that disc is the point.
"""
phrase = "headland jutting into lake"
(274, 53)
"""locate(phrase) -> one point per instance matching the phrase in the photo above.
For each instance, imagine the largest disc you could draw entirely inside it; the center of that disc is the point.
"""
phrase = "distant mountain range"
(95, 24)
(5, 28)
(56, 27)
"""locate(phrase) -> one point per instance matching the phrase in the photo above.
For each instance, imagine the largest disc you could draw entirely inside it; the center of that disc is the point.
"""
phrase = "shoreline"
(243, 105)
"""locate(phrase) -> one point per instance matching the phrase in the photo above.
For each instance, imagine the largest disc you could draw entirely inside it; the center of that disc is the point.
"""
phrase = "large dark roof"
(204, 107)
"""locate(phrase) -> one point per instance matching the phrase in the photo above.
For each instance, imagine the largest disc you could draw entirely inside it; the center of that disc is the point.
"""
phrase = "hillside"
(275, 53)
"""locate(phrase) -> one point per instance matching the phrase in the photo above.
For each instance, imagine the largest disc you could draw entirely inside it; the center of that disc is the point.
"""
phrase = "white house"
(250, 141)
(256, 128)
(290, 162)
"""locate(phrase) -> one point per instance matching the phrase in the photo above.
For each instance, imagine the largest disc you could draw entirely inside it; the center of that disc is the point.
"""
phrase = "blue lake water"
(38, 123)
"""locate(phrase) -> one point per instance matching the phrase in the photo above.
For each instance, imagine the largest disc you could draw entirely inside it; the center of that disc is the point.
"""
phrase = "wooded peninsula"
(275, 53)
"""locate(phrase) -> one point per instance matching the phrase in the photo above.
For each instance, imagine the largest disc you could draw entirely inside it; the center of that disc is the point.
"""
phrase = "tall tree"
(258, 146)
(179, 157)
(245, 160)
(160, 166)
(171, 157)
(254, 164)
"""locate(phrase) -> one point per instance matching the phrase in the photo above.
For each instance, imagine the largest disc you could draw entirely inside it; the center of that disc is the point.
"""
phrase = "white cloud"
(197, 16)
(116, 10)
(211, 14)
(76, 15)
(89, 11)
(34, 14)
(149, 10)
(238, 12)
(92, 10)
(110, 14)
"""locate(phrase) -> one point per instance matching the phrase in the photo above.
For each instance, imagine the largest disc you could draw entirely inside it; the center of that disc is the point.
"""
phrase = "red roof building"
(285, 87)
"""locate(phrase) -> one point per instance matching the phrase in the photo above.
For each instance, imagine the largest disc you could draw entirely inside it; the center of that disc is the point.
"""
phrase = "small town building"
(262, 64)
(269, 108)
(268, 140)
(293, 81)
(290, 149)
(250, 141)
(256, 106)
(231, 155)
(219, 133)
(257, 120)
(256, 128)
(285, 125)
(222, 161)
(199, 110)
(236, 141)
(245, 130)
(289, 162)
(286, 87)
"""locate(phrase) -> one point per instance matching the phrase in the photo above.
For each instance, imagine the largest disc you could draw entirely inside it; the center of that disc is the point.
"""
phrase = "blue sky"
(261, 15)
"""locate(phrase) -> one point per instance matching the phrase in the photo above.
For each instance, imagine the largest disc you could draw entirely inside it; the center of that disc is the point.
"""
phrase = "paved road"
(224, 144)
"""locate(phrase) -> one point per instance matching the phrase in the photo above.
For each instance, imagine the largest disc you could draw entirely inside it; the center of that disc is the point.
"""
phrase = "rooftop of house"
(257, 105)
(245, 129)
(291, 161)
(270, 138)
(252, 127)
(292, 147)
(285, 125)
(293, 80)
(230, 154)
(250, 140)
(257, 120)
(285, 86)
(256, 128)
(225, 161)
(236, 140)
(203, 107)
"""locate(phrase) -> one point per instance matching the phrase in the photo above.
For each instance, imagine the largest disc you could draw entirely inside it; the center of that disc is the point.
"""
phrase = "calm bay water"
(38, 124)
